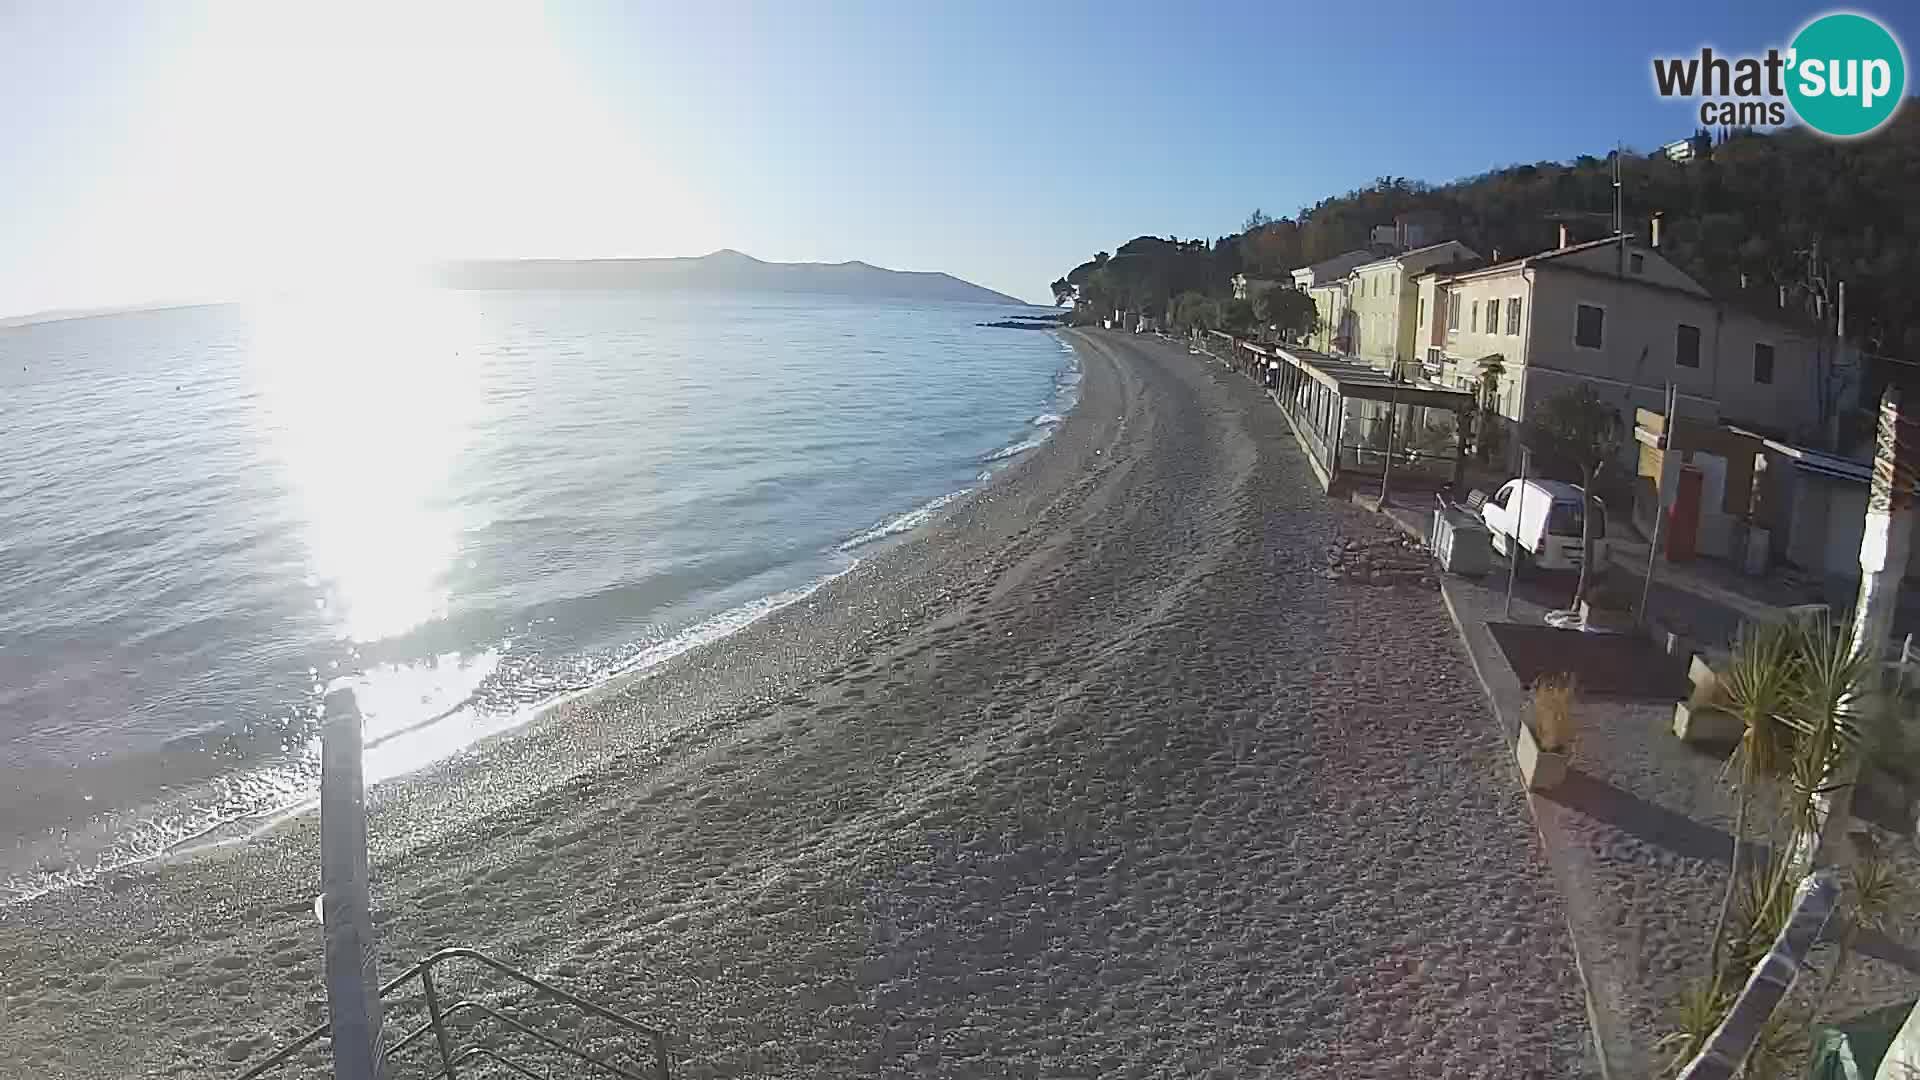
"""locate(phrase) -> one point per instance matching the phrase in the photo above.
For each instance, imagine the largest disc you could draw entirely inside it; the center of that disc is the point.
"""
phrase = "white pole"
(353, 986)
(1513, 538)
(1659, 502)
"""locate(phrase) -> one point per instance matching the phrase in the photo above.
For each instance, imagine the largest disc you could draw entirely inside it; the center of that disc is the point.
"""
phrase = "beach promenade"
(1100, 774)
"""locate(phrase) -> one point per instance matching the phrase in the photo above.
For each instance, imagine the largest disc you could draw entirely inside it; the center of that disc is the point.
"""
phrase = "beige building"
(1330, 310)
(1381, 302)
(1618, 316)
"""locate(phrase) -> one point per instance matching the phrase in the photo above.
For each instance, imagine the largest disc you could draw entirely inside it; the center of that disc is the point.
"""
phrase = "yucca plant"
(1835, 712)
(1758, 685)
(1699, 1010)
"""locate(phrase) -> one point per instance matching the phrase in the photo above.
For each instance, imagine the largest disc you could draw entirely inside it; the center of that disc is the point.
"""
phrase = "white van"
(1546, 516)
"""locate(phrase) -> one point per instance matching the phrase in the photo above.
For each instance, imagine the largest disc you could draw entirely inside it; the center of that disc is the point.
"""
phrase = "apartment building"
(1326, 283)
(1616, 315)
(1379, 317)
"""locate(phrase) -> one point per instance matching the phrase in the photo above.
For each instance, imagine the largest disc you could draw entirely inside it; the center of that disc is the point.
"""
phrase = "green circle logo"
(1846, 74)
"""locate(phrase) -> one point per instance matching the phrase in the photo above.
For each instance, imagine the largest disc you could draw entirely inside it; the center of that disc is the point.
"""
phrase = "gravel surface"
(1102, 773)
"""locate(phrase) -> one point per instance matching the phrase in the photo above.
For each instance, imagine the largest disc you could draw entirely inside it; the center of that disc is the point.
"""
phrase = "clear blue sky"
(173, 151)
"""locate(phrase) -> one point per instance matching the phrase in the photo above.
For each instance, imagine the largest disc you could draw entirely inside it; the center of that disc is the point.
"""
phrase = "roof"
(1338, 265)
(1383, 260)
(1528, 260)
(1353, 380)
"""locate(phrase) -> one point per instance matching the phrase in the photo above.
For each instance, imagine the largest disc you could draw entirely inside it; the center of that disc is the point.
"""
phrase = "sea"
(462, 505)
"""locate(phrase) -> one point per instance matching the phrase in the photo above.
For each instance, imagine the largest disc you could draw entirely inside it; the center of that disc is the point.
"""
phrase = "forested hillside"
(1788, 209)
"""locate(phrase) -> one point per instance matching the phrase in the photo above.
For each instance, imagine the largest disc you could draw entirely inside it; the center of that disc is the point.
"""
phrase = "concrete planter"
(1541, 769)
(1605, 620)
(1695, 720)
(1700, 724)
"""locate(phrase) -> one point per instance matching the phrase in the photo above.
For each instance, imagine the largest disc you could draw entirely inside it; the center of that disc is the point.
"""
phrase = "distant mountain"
(723, 270)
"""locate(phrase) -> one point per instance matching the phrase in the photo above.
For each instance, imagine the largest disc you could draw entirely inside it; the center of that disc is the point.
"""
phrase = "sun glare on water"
(369, 402)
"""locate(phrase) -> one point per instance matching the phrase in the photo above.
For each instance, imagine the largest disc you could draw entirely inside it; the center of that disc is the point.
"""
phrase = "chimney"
(1496, 254)
(1743, 279)
(1563, 235)
(1783, 297)
(1656, 233)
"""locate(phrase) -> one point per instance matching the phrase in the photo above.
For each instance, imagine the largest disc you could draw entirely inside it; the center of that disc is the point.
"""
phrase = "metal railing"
(452, 1057)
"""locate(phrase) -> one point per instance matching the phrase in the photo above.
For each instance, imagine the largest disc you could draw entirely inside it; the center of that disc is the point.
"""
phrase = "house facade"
(1616, 316)
(1330, 309)
(1382, 304)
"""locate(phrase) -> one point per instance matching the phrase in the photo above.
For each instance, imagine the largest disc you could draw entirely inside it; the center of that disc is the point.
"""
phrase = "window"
(1637, 263)
(1493, 316)
(1589, 326)
(1686, 346)
(1453, 311)
(1506, 493)
(1566, 518)
(1513, 315)
(1421, 317)
(1473, 317)
(1762, 363)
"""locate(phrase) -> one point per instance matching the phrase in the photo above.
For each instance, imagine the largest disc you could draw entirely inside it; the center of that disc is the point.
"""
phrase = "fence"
(442, 1021)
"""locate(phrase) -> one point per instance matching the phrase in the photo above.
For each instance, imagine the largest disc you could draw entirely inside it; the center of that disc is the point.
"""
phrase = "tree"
(1576, 428)
(1062, 291)
(1236, 317)
(1192, 311)
(1289, 312)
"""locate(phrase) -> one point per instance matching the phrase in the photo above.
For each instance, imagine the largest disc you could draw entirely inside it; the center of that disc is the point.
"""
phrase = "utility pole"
(1619, 211)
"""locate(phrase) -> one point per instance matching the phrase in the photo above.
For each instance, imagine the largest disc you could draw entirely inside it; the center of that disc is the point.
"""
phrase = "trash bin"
(1460, 542)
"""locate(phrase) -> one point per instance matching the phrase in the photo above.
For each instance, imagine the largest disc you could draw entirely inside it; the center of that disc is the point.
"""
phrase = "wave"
(1046, 418)
(912, 519)
(1017, 449)
(237, 806)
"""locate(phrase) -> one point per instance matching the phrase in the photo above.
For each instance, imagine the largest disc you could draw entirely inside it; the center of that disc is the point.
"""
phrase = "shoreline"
(1020, 791)
(216, 835)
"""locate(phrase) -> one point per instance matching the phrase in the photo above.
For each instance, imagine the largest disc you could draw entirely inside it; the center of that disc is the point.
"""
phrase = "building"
(1326, 282)
(1246, 288)
(1330, 309)
(1695, 147)
(1379, 316)
(1617, 316)
(1334, 269)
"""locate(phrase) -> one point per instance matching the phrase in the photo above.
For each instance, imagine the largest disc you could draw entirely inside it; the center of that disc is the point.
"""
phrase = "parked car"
(1545, 516)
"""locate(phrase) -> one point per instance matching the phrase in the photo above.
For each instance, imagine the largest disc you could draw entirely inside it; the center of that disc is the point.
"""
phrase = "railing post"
(434, 1019)
(353, 986)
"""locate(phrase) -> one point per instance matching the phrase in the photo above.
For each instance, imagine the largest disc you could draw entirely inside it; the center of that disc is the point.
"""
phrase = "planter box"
(1698, 724)
(1541, 769)
(1605, 620)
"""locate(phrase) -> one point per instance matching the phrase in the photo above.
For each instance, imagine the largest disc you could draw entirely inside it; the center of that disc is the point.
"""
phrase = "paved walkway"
(1640, 834)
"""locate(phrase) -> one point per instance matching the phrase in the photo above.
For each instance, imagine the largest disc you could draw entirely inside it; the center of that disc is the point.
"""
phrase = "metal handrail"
(451, 1058)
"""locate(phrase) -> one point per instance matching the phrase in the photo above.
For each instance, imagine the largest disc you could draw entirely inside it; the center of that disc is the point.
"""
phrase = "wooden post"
(353, 985)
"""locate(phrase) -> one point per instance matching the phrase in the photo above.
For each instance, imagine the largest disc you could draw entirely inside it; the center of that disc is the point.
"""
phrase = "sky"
(165, 152)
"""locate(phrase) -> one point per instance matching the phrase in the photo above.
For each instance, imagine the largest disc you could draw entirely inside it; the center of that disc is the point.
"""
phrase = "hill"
(1761, 214)
(724, 270)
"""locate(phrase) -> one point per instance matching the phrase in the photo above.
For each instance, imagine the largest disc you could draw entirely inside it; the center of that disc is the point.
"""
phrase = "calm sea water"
(462, 504)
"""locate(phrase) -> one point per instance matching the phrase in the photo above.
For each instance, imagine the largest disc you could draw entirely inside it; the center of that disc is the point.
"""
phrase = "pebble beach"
(1101, 772)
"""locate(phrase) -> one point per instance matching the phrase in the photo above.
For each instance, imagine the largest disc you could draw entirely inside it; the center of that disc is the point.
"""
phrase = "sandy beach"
(1100, 773)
